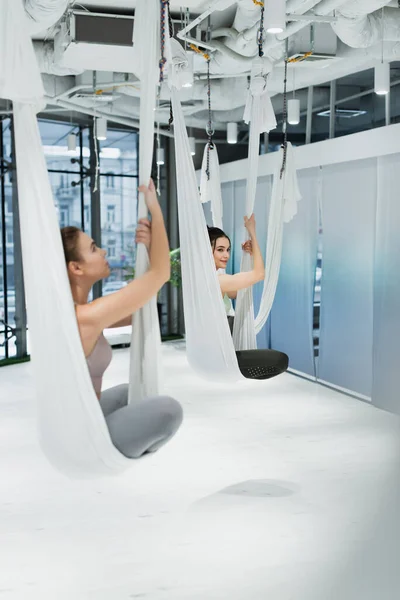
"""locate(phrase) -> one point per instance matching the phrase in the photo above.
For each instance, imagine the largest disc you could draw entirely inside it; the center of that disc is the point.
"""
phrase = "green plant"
(176, 273)
(130, 269)
(175, 259)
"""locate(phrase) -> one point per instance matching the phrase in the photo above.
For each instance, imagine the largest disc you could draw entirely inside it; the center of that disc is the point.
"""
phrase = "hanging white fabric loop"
(283, 207)
(210, 188)
(260, 114)
(73, 432)
(265, 115)
(72, 429)
(145, 353)
(177, 63)
(208, 342)
(209, 347)
(20, 78)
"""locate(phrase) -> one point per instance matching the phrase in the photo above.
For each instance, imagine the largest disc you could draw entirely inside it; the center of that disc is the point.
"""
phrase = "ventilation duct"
(354, 9)
(242, 41)
(86, 43)
(43, 14)
(323, 44)
(226, 93)
(247, 14)
(368, 56)
(359, 29)
(57, 85)
(321, 9)
(47, 62)
(299, 7)
(321, 96)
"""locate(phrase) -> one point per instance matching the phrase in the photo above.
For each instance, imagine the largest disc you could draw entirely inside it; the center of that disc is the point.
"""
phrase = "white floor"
(273, 490)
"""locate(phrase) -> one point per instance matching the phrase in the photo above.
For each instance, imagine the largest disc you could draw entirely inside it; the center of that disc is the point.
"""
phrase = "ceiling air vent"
(98, 28)
(343, 113)
(95, 41)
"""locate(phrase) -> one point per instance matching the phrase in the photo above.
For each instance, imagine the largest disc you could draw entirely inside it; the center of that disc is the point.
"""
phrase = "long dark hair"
(214, 233)
(70, 236)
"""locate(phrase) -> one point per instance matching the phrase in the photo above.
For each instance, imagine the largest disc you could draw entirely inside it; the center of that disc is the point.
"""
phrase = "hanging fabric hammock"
(145, 353)
(283, 207)
(72, 429)
(209, 347)
(262, 118)
(208, 340)
(284, 198)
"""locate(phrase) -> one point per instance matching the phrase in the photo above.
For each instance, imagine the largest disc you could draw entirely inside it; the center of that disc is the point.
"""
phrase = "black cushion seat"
(262, 364)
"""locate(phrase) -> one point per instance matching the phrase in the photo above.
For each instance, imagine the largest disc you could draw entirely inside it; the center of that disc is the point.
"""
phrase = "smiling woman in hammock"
(231, 284)
(136, 428)
(254, 364)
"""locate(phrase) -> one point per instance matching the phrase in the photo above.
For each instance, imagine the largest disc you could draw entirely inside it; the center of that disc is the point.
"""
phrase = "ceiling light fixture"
(71, 140)
(293, 112)
(101, 128)
(160, 156)
(382, 78)
(232, 133)
(275, 16)
(345, 113)
(382, 69)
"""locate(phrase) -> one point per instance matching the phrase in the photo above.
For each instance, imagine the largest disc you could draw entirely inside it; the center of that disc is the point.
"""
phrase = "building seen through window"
(118, 191)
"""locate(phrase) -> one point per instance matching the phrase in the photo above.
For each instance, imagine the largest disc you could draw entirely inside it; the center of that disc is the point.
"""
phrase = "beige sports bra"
(98, 361)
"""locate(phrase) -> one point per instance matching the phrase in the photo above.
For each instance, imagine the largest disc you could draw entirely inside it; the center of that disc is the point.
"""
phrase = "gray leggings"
(136, 429)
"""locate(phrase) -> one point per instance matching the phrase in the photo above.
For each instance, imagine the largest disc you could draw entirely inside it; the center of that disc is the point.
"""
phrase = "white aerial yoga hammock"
(208, 340)
(145, 352)
(283, 207)
(259, 112)
(73, 432)
(209, 347)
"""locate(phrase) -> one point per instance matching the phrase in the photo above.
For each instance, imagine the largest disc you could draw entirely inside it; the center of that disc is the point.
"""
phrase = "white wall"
(360, 326)
(367, 144)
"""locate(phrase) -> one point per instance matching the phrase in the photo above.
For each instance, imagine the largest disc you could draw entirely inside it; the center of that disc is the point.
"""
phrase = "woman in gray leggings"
(136, 428)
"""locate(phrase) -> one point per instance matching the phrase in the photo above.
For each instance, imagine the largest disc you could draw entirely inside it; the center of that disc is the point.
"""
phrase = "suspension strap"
(260, 33)
(171, 116)
(210, 131)
(171, 35)
(170, 25)
(163, 5)
(284, 124)
(165, 14)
